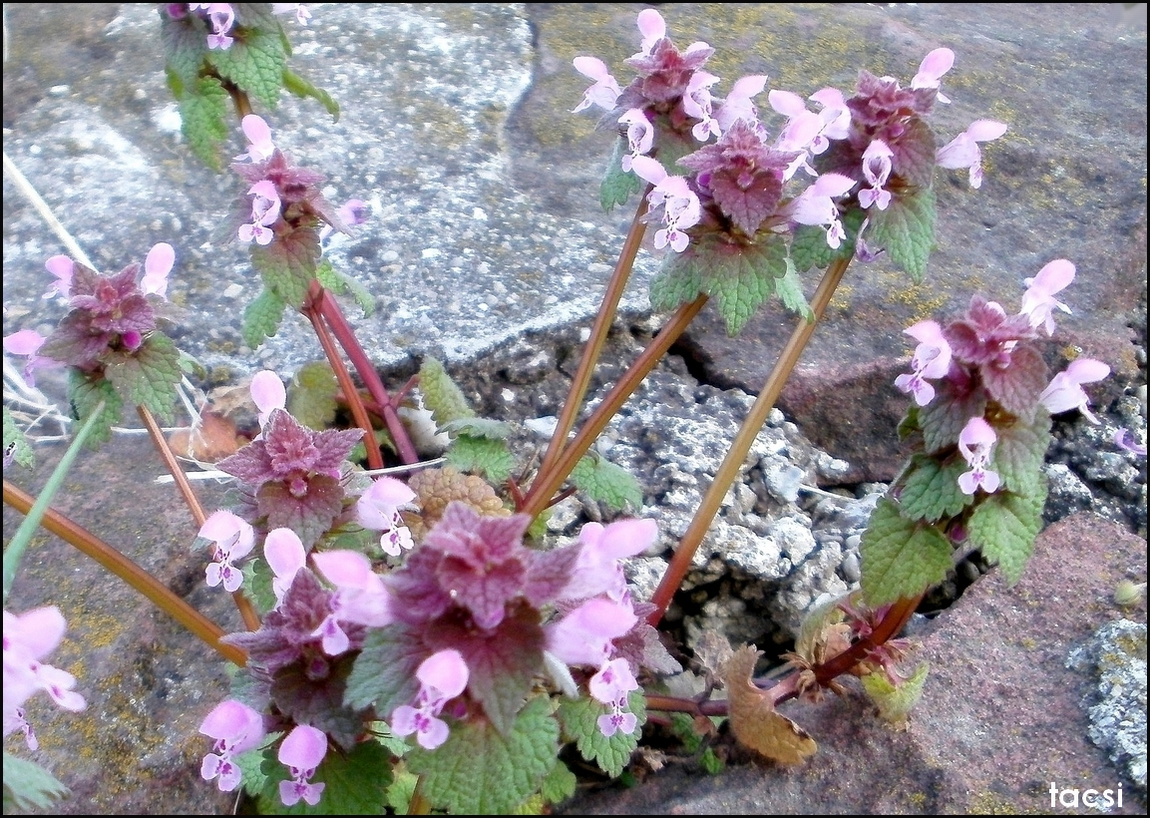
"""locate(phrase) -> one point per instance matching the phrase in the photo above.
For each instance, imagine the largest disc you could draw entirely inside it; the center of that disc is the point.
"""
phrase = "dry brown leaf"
(436, 488)
(754, 720)
(211, 439)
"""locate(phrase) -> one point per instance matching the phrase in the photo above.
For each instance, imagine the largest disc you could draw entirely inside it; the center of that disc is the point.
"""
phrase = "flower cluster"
(110, 318)
(28, 638)
(992, 374)
(220, 19)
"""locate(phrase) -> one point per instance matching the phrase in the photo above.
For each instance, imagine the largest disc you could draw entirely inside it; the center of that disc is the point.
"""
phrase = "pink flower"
(301, 752)
(378, 510)
(285, 554)
(835, 115)
(1065, 390)
(302, 15)
(28, 342)
(236, 728)
(640, 135)
(1038, 301)
(442, 676)
(260, 145)
(360, 597)
(605, 90)
(265, 212)
(234, 539)
(697, 104)
(652, 28)
(976, 442)
(598, 568)
(963, 151)
(930, 71)
(931, 359)
(737, 104)
(585, 635)
(876, 170)
(156, 268)
(611, 685)
(816, 205)
(221, 17)
(29, 638)
(681, 207)
(61, 267)
(1125, 439)
(268, 393)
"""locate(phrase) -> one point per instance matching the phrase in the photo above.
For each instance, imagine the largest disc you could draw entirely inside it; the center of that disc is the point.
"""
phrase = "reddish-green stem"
(111, 559)
(350, 393)
(546, 484)
(243, 604)
(599, 330)
(733, 461)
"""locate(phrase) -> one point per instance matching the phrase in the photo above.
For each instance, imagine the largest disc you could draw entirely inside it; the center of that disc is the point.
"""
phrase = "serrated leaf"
(16, 446)
(308, 516)
(311, 395)
(29, 786)
(440, 393)
(895, 703)
(481, 455)
(906, 230)
(914, 154)
(678, 281)
(600, 479)
(255, 62)
(85, 394)
(288, 264)
(354, 783)
(809, 248)
(580, 720)
(203, 120)
(1021, 452)
(909, 423)
(560, 783)
(150, 376)
(384, 672)
(1004, 527)
(754, 720)
(339, 282)
(262, 318)
(400, 792)
(930, 489)
(741, 279)
(618, 184)
(479, 771)
(185, 43)
(901, 558)
(478, 427)
(302, 88)
(789, 288)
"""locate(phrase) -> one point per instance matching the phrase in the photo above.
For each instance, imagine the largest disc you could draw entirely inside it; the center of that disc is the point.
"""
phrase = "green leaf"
(901, 558)
(339, 282)
(401, 790)
(440, 394)
(384, 672)
(255, 62)
(809, 248)
(97, 396)
(906, 230)
(678, 281)
(710, 762)
(262, 317)
(895, 703)
(480, 771)
(600, 479)
(741, 278)
(1021, 452)
(16, 443)
(185, 44)
(288, 264)
(203, 119)
(579, 718)
(478, 427)
(481, 455)
(149, 377)
(302, 88)
(1004, 527)
(930, 489)
(618, 184)
(790, 291)
(29, 786)
(311, 395)
(560, 783)
(354, 784)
